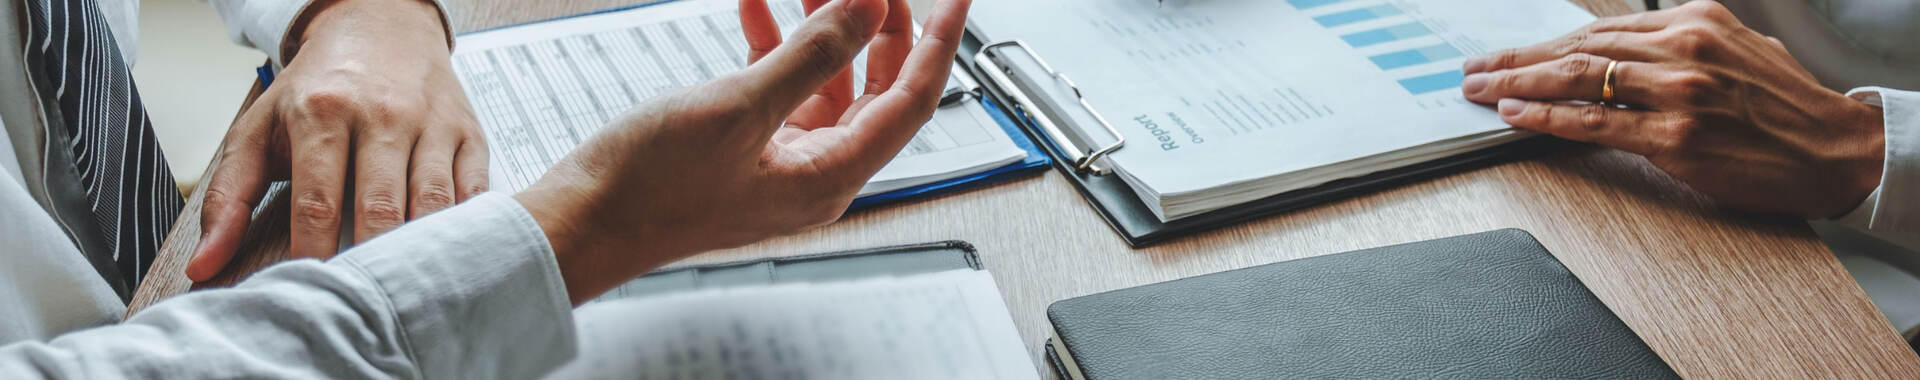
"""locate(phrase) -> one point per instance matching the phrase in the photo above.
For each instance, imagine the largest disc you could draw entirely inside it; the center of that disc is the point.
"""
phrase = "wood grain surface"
(1717, 293)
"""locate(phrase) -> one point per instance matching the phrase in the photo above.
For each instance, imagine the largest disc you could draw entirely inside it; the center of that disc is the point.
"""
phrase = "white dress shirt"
(470, 292)
(1892, 213)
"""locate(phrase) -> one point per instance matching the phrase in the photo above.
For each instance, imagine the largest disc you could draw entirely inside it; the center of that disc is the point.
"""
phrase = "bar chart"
(1357, 15)
(1392, 38)
(1433, 82)
(1387, 34)
(1418, 56)
(1305, 4)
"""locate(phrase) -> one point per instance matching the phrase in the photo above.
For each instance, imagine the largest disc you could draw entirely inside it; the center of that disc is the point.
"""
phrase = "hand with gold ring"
(1717, 105)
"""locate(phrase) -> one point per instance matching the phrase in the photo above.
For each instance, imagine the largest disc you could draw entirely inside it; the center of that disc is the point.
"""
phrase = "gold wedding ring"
(1606, 88)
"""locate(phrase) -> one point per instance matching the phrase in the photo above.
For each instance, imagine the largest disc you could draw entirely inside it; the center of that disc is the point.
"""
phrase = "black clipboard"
(1123, 210)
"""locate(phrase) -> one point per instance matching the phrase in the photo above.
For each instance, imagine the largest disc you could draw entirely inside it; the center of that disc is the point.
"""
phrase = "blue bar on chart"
(1387, 34)
(1304, 4)
(1430, 83)
(1363, 14)
(1404, 58)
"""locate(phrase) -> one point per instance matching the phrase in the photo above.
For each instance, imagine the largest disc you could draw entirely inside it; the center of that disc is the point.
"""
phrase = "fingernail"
(1473, 84)
(1512, 107)
(192, 273)
(1475, 64)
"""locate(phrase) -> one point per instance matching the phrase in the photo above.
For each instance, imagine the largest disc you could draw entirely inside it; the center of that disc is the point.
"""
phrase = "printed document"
(1225, 102)
(541, 89)
(945, 325)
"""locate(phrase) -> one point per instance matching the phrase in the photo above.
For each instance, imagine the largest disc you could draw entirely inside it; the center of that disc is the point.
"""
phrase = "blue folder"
(1033, 162)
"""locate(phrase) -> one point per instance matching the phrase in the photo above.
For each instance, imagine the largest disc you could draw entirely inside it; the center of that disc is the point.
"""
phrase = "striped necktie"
(108, 182)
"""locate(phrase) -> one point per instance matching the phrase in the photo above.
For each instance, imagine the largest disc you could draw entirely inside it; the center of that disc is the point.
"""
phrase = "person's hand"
(770, 150)
(1719, 106)
(369, 109)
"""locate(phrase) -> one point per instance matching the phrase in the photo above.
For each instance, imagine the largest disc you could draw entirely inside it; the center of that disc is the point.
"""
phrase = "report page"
(1210, 93)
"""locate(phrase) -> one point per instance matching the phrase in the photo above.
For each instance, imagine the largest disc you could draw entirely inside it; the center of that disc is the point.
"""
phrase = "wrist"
(415, 25)
(1862, 161)
(593, 254)
(579, 266)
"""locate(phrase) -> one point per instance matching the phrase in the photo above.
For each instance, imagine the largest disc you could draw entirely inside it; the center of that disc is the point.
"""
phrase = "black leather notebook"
(1493, 305)
(1136, 224)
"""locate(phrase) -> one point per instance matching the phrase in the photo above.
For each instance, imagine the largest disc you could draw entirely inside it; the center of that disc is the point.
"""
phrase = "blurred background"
(192, 78)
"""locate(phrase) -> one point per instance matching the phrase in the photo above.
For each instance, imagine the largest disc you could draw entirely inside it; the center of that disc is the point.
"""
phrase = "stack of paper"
(1226, 102)
(944, 325)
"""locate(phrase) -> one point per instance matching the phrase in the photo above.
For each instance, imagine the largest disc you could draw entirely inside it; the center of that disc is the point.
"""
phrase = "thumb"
(238, 182)
(820, 49)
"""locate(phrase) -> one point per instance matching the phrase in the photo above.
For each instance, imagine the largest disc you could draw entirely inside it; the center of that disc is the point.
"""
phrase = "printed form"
(541, 89)
(946, 325)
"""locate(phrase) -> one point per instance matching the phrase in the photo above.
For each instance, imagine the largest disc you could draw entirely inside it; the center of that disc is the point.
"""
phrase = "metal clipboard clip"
(1084, 160)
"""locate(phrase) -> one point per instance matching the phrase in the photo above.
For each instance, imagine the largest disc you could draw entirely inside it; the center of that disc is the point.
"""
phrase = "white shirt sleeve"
(472, 292)
(265, 24)
(1892, 213)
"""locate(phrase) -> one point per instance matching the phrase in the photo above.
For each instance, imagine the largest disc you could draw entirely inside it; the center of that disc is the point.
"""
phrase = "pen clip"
(966, 89)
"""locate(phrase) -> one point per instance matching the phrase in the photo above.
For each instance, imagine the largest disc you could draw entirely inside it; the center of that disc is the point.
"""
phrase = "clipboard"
(899, 260)
(1078, 138)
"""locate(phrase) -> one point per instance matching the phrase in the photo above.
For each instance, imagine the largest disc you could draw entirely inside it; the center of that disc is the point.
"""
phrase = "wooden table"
(1716, 293)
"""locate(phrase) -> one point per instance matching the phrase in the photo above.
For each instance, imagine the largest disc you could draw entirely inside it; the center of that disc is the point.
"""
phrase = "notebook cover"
(1123, 210)
(833, 266)
(1488, 305)
(1053, 360)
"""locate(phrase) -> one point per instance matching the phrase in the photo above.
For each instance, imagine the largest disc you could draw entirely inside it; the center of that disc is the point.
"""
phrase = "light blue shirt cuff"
(476, 289)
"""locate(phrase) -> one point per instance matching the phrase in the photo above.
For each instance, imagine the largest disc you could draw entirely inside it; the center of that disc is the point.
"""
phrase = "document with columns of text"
(541, 89)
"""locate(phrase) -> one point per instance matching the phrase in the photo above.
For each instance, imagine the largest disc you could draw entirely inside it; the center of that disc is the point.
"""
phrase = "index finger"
(1624, 46)
(1618, 37)
(892, 119)
(890, 47)
(924, 74)
(237, 184)
(761, 30)
(821, 50)
(826, 106)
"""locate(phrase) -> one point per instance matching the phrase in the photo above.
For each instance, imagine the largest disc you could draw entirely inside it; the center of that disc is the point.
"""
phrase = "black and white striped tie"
(102, 160)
